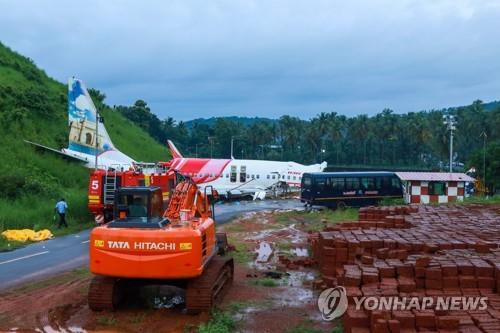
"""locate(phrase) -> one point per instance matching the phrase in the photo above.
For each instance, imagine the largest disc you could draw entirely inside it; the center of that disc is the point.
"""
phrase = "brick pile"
(425, 251)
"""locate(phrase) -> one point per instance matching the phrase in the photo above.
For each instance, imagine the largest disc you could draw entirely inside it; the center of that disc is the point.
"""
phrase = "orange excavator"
(144, 244)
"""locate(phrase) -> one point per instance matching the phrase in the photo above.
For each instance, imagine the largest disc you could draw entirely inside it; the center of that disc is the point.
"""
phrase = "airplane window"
(267, 176)
(253, 176)
(227, 175)
(288, 177)
(233, 174)
(221, 175)
(211, 175)
(243, 173)
(258, 176)
(274, 177)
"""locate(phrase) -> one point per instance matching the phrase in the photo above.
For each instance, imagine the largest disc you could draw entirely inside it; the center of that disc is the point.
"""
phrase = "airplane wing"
(256, 191)
(60, 153)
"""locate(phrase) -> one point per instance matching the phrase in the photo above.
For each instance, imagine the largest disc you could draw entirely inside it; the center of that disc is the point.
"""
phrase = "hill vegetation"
(246, 121)
(34, 107)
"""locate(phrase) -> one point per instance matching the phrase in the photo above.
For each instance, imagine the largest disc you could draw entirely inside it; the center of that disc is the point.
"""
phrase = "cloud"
(202, 58)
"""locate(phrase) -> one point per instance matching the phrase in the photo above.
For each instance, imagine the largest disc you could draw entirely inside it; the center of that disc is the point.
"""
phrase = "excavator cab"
(138, 207)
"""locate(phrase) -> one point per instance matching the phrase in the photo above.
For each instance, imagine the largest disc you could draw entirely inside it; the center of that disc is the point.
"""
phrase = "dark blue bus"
(355, 189)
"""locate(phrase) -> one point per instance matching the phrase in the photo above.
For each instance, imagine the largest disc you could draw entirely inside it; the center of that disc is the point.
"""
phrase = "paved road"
(64, 253)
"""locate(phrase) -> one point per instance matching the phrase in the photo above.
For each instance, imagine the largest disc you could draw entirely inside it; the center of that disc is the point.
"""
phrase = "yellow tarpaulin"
(27, 234)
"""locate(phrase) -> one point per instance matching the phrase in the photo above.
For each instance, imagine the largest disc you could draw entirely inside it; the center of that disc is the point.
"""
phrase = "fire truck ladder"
(109, 187)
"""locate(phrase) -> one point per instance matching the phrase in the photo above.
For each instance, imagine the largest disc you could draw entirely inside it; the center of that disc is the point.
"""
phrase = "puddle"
(165, 302)
(70, 329)
(299, 278)
(298, 290)
(162, 296)
(300, 252)
(264, 252)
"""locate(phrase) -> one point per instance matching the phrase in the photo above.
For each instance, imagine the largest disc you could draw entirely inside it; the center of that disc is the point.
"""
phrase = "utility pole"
(484, 135)
(211, 140)
(450, 122)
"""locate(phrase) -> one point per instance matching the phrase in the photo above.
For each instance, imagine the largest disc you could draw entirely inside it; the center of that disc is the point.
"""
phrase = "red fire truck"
(103, 184)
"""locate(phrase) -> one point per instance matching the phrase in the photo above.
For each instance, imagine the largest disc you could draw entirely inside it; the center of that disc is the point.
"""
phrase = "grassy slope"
(33, 107)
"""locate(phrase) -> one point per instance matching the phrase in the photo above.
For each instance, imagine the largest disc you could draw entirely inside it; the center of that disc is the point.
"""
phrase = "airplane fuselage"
(240, 177)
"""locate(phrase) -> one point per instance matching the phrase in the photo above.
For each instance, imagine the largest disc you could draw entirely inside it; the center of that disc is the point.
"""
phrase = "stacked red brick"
(446, 251)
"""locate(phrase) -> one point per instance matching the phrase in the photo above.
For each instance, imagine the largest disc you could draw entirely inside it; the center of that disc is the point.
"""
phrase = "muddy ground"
(268, 294)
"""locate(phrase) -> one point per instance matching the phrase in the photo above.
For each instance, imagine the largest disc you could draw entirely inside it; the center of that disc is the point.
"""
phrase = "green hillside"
(33, 107)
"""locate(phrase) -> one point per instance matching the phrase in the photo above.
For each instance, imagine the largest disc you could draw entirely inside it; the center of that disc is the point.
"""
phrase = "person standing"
(61, 207)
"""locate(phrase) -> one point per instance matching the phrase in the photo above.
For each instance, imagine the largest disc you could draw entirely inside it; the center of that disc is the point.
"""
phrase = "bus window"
(351, 184)
(368, 183)
(395, 183)
(337, 184)
(386, 183)
(320, 184)
(233, 174)
(307, 181)
(243, 173)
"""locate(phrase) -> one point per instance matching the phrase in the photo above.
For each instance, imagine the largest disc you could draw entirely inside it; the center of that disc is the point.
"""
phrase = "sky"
(190, 59)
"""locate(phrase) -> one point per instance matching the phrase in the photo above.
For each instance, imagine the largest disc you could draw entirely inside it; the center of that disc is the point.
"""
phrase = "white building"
(433, 187)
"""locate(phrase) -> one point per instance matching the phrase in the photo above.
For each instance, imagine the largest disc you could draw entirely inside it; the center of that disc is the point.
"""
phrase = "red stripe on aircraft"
(202, 170)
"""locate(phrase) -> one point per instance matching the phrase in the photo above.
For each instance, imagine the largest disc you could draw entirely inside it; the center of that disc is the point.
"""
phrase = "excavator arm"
(188, 199)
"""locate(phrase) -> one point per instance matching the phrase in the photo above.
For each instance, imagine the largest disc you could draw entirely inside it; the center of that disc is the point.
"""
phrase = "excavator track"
(204, 292)
(104, 293)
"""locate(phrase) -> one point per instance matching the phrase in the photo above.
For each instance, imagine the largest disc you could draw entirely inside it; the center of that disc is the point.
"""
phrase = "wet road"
(57, 255)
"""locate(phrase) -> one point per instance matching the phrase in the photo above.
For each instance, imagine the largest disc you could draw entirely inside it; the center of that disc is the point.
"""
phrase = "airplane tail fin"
(83, 122)
(173, 150)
